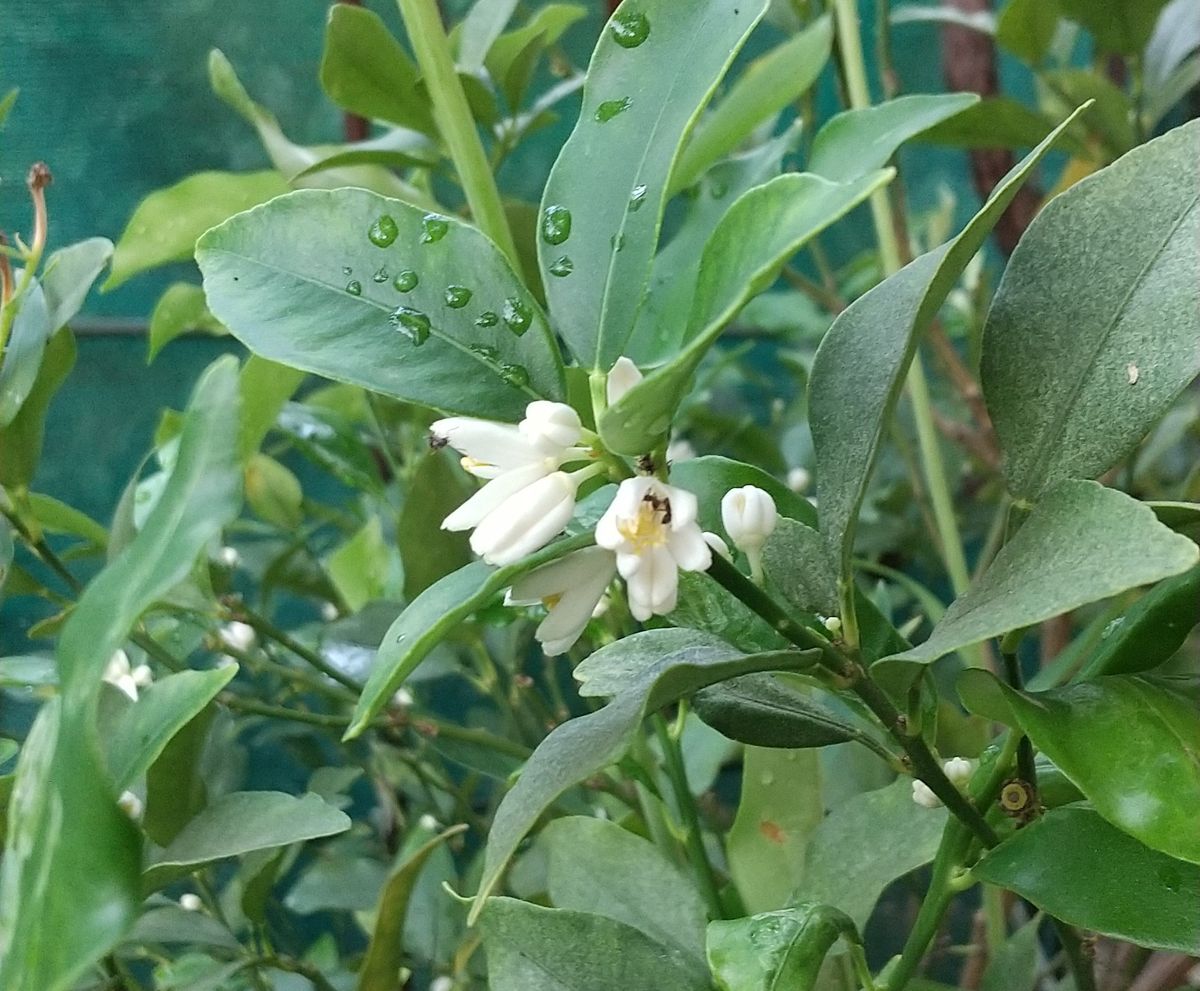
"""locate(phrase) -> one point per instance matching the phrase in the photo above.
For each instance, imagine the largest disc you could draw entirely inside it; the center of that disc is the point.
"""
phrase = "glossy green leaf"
(1082, 543)
(609, 671)
(513, 56)
(430, 553)
(769, 84)
(54, 516)
(1014, 964)
(776, 950)
(654, 68)
(797, 566)
(480, 28)
(242, 822)
(69, 886)
(1130, 743)
(22, 358)
(1121, 26)
(1026, 28)
(856, 142)
(1092, 333)
(1078, 868)
(586, 745)
(301, 282)
(861, 364)
(160, 712)
(165, 225)
(530, 948)
(779, 808)
(68, 275)
(710, 476)
(181, 309)
(743, 257)
(431, 617)
(706, 605)
(865, 844)
(365, 70)
(999, 122)
(21, 441)
(596, 866)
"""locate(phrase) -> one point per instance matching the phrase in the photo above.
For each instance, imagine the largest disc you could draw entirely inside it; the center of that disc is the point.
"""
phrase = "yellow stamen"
(550, 601)
(646, 530)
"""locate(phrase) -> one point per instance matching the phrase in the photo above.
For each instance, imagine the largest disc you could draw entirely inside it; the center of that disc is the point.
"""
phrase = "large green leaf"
(310, 280)
(861, 364)
(366, 71)
(68, 276)
(242, 822)
(1027, 27)
(743, 256)
(1092, 334)
(1082, 543)
(999, 122)
(796, 562)
(1130, 743)
(430, 553)
(776, 950)
(1080, 869)
(165, 225)
(588, 744)
(70, 871)
(857, 142)
(265, 387)
(1122, 26)
(596, 866)
(530, 948)
(654, 68)
(769, 84)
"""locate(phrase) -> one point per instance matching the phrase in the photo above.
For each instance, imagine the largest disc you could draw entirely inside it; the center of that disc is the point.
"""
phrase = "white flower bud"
(833, 624)
(121, 675)
(131, 805)
(526, 521)
(959, 771)
(749, 516)
(239, 636)
(329, 611)
(428, 823)
(229, 557)
(402, 698)
(623, 377)
(190, 902)
(923, 796)
(550, 427)
(441, 984)
(717, 544)
(798, 479)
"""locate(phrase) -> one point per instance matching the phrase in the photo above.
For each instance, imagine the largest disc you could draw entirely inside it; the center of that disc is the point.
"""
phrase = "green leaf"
(385, 952)
(430, 553)
(796, 562)
(1026, 28)
(1130, 743)
(705, 604)
(239, 823)
(54, 516)
(1112, 117)
(299, 281)
(265, 387)
(779, 809)
(596, 866)
(513, 57)
(171, 925)
(180, 309)
(710, 476)
(1092, 333)
(769, 84)
(160, 712)
(360, 567)
(70, 871)
(431, 617)
(856, 142)
(861, 364)
(68, 276)
(742, 258)
(998, 122)
(175, 786)
(865, 844)
(6, 104)
(530, 948)
(22, 358)
(1080, 544)
(586, 745)
(776, 950)
(165, 225)
(365, 70)
(1120, 26)
(659, 62)
(480, 28)
(273, 493)
(1014, 964)
(21, 440)
(1078, 868)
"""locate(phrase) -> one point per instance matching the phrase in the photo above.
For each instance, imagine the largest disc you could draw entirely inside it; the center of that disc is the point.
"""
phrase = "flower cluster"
(648, 534)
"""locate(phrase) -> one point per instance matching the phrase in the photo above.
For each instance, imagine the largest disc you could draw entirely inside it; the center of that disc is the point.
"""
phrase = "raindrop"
(380, 276)
(719, 190)
(556, 224)
(768, 778)
(617, 242)
(412, 323)
(611, 108)
(383, 232)
(488, 318)
(484, 351)
(346, 270)
(354, 287)
(637, 197)
(517, 375)
(629, 28)
(457, 297)
(517, 315)
(434, 228)
(562, 267)
(405, 281)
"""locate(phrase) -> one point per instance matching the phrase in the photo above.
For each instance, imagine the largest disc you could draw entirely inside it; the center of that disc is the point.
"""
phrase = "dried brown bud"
(39, 176)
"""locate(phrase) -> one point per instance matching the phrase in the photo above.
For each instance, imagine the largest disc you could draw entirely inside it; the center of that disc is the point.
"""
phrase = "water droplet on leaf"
(457, 297)
(405, 281)
(383, 232)
(354, 287)
(617, 242)
(562, 267)
(611, 108)
(380, 276)
(434, 228)
(488, 318)
(517, 375)
(517, 315)
(346, 270)
(484, 350)
(637, 197)
(413, 324)
(556, 224)
(629, 28)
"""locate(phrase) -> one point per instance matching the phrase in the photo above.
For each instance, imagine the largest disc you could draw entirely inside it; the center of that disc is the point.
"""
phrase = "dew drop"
(556, 224)
(346, 270)
(405, 281)
(413, 324)
(617, 242)
(457, 297)
(629, 28)
(383, 232)
(517, 315)
(354, 287)
(488, 318)
(637, 196)
(719, 190)
(434, 227)
(484, 350)
(380, 276)
(612, 108)
(517, 375)
(562, 267)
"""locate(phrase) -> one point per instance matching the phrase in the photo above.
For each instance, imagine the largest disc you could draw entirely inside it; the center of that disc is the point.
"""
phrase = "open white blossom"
(571, 589)
(623, 376)
(717, 544)
(651, 526)
(121, 674)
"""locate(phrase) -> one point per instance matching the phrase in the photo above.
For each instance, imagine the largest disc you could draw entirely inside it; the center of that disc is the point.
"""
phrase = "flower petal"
(472, 512)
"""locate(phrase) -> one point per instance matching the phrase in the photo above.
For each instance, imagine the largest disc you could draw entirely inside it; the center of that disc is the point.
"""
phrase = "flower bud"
(924, 796)
(551, 427)
(239, 636)
(959, 771)
(833, 624)
(526, 521)
(131, 805)
(749, 516)
(623, 377)
(716, 544)
(190, 902)
(798, 479)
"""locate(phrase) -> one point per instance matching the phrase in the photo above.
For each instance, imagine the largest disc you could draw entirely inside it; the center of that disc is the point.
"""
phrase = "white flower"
(652, 528)
(749, 516)
(798, 479)
(959, 771)
(923, 796)
(524, 521)
(402, 699)
(623, 376)
(130, 804)
(229, 557)
(571, 589)
(329, 611)
(717, 544)
(551, 427)
(190, 902)
(680, 450)
(128, 679)
(441, 984)
(239, 636)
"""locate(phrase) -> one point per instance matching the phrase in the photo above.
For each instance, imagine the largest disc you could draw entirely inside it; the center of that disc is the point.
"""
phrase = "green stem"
(694, 835)
(455, 121)
(243, 704)
(264, 627)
